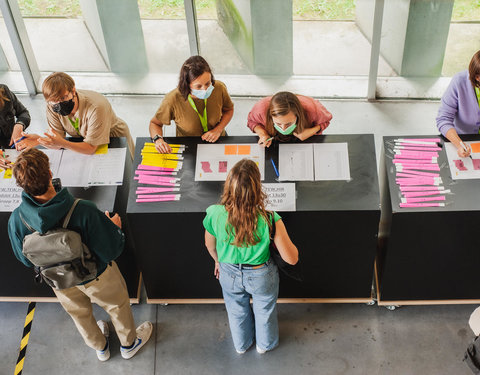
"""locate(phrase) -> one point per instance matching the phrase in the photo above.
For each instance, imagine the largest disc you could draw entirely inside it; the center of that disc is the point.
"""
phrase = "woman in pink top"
(286, 117)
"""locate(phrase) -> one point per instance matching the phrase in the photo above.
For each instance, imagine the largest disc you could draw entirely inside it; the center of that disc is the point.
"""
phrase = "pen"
(3, 152)
(275, 168)
(265, 141)
(14, 143)
(465, 148)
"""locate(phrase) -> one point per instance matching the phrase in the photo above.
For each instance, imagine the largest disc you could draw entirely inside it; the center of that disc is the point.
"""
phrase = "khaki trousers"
(109, 291)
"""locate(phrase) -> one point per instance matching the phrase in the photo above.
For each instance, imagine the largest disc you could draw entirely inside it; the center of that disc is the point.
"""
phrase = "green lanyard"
(75, 124)
(203, 119)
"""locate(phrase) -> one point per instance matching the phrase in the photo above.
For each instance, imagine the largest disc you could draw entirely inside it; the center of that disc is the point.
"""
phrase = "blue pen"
(275, 168)
(14, 143)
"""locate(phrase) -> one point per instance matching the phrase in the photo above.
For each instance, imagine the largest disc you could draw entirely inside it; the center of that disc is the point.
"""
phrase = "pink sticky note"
(206, 167)
(459, 164)
(222, 166)
(476, 164)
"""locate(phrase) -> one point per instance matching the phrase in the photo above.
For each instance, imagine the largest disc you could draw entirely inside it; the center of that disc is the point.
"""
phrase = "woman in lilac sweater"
(459, 112)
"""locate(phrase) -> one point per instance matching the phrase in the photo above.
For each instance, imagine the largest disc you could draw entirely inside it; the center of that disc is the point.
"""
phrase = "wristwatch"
(154, 139)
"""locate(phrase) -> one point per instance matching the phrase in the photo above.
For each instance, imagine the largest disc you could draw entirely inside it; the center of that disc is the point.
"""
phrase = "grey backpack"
(60, 257)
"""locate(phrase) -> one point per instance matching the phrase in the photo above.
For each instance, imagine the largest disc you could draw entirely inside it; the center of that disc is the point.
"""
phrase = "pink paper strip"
(422, 159)
(410, 171)
(415, 148)
(422, 139)
(413, 153)
(420, 167)
(414, 183)
(154, 173)
(153, 168)
(425, 199)
(419, 188)
(405, 205)
(155, 178)
(153, 190)
(400, 174)
(152, 196)
(156, 183)
(412, 194)
(410, 181)
(153, 200)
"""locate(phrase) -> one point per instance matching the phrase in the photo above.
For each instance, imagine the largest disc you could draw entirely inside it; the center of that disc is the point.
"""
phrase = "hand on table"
(26, 141)
(162, 146)
(4, 163)
(461, 151)
(212, 135)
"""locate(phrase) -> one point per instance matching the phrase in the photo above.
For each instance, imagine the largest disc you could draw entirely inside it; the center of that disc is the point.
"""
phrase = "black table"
(430, 255)
(16, 280)
(335, 228)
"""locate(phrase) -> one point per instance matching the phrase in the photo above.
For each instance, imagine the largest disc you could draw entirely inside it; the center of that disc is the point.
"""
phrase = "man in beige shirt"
(78, 113)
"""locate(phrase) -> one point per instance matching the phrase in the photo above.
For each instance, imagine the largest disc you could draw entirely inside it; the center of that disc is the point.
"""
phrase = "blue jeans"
(239, 283)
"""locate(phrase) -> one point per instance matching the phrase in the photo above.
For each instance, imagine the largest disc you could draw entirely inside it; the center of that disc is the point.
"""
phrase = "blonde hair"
(282, 104)
(244, 199)
(56, 84)
(3, 97)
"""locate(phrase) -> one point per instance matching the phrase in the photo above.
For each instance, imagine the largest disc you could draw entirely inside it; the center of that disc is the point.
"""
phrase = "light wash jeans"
(239, 283)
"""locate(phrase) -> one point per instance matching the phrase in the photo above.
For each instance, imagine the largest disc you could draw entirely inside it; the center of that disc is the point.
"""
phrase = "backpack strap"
(69, 214)
(26, 224)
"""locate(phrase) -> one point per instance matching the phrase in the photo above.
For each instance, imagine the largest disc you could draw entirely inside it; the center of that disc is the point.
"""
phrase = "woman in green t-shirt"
(237, 236)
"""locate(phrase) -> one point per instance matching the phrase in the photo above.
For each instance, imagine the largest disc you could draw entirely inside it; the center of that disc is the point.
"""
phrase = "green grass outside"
(463, 10)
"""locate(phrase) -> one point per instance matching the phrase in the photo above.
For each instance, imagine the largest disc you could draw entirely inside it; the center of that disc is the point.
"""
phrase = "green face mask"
(287, 131)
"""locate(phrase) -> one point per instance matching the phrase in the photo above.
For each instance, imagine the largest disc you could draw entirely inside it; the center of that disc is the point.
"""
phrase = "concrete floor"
(314, 338)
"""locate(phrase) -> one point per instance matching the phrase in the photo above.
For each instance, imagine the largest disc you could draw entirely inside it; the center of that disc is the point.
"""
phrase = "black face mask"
(64, 108)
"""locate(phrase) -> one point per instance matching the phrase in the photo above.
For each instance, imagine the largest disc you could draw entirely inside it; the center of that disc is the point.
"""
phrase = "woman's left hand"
(216, 270)
(16, 133)
(212, 135)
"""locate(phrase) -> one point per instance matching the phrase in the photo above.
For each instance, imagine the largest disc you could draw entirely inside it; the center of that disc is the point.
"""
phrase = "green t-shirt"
(216, 223)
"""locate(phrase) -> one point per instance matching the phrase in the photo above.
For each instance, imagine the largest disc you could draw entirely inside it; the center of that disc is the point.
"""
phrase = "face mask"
(203, 94)
(287, 131)
(64, 108)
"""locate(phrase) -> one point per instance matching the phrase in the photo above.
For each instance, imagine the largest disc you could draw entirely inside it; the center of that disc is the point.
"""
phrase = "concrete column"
(261, 32)
(3, 61)
(116, 28)
(414, 34)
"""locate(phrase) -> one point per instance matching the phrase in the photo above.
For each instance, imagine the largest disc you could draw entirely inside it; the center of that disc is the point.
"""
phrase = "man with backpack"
(37, 224)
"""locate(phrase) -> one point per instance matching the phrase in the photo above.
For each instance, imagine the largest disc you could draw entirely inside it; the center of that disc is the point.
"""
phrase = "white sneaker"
(144, 332)
(260, 350)
(104, 355)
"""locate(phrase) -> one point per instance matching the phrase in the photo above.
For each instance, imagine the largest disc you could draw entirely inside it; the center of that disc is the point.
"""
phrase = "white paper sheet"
(457, 174)
(331, 161)
(107, 169)
(75, 168)
(215, 161)
(280, 197)
(295, 162)
(55, 157)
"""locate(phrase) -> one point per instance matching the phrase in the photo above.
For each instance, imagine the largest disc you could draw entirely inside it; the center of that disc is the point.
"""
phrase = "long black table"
(429, 255)
(16, 280)
(335, 228)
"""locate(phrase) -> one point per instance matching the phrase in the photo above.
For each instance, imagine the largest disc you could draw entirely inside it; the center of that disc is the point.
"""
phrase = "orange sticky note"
(243, 149)
(230, 149)
(475, 147)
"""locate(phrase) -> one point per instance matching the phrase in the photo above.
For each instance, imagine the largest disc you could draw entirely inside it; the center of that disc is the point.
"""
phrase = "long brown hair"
(3, 97)
(191, 69)
(244, 199)
(474, 69)
(282, 104)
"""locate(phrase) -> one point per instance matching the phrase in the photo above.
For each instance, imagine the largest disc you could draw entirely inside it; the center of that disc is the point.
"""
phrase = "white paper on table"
(457, 174)
(331, 161)
(295, 162)
(280, 197)
(213, 162)
(10, 193)
(55, 158)
(107, 169)
(74, 168)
